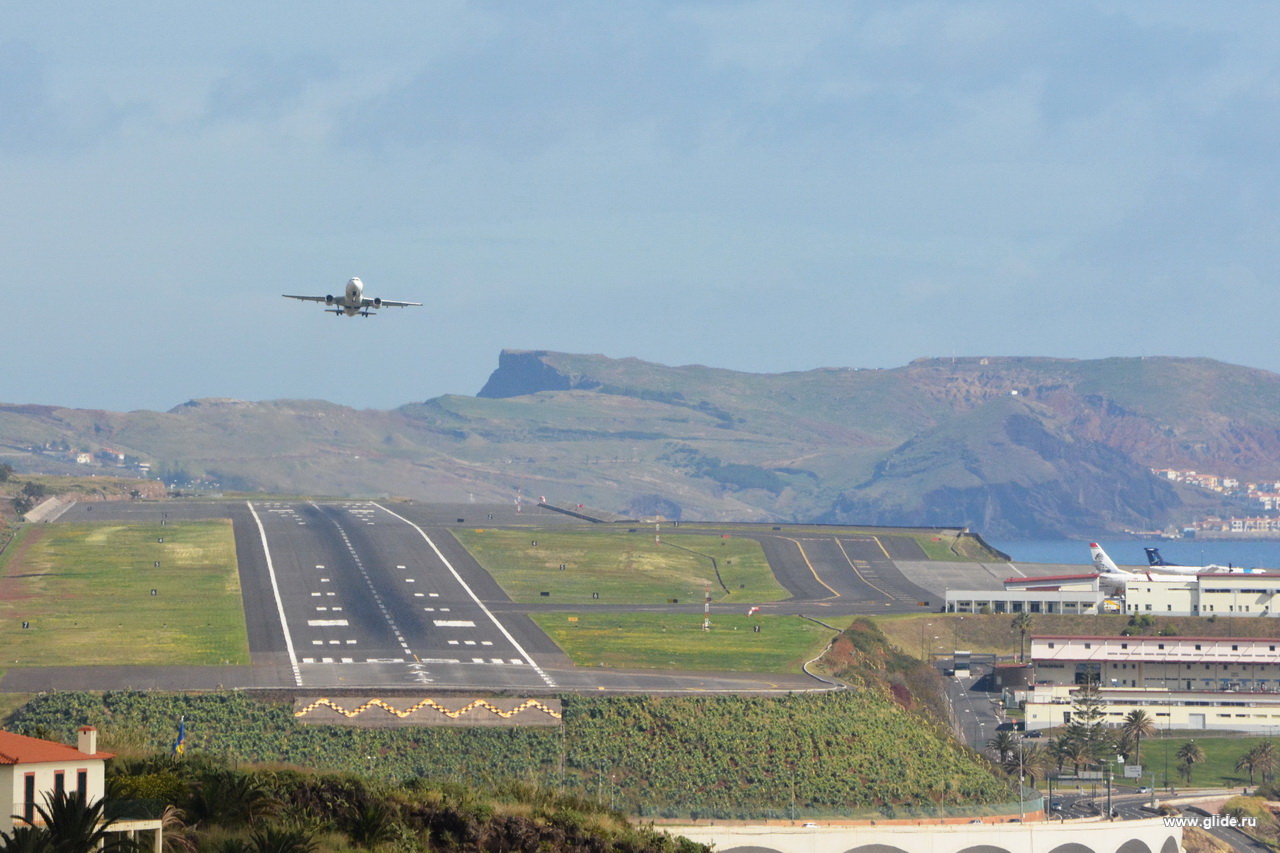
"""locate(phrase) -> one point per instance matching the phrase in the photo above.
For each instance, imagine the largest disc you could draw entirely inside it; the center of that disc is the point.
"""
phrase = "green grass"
(677, 641)
(85, 591)
(621, 567)
(1218, 769)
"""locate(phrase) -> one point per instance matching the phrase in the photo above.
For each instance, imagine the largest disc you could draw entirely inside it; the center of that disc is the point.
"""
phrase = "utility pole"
(706, 608)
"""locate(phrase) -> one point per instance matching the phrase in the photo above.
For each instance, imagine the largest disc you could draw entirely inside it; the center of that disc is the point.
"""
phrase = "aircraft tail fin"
(1101, 562)
(1154, 558)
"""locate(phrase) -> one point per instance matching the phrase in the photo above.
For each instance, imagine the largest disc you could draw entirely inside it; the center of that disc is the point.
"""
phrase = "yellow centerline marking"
(855, 568)
(805, 556)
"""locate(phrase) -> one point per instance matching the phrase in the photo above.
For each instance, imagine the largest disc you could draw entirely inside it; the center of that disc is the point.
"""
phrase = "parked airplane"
(352, 301)
(1104, 566)
(1157, 562)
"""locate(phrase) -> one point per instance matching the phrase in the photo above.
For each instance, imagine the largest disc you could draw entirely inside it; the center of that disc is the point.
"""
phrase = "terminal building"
(1074, 594)
(1210, 594)
(1225, 683)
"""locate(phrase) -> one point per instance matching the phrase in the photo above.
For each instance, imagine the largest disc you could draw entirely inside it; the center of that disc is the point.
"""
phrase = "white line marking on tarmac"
(454, 623)
(550, 682)
(327, 623)
(275, 589)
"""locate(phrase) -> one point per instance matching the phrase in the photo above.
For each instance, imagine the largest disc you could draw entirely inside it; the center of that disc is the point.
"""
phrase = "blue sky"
(764, 186)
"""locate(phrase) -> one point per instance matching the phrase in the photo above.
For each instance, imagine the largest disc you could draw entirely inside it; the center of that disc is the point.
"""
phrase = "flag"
(178, 747)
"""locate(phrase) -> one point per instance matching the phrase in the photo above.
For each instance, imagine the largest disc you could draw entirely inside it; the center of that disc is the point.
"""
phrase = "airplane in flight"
(352, 301)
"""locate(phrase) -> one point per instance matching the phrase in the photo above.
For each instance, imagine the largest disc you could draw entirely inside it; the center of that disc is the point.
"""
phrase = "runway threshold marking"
(861, 577)
(275, 589)
(550, 682)
(805, 557)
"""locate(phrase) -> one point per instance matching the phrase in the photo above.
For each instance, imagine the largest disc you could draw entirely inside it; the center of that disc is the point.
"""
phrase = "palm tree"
(74, 826)
(231, 797)
(282, 839)
(1248, 761)
(1022, 624)
(1003, 744)
(26, 839)
(1028, 763)
(1266, 758)
(1137, 725)
(1189, 755)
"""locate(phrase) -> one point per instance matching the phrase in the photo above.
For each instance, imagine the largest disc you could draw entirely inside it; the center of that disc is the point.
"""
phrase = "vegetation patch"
(677, 641)
(617, 567)
(846, 752)
(77, 594)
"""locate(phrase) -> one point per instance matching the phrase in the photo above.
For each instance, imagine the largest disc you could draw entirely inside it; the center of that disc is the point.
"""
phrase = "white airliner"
(353, 301)
(1104, 566)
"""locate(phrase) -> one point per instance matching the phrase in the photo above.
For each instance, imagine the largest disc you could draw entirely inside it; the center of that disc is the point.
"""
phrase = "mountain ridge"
(1011, 445)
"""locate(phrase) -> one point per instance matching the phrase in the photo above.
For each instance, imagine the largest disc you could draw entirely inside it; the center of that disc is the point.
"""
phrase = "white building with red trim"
(31, 769)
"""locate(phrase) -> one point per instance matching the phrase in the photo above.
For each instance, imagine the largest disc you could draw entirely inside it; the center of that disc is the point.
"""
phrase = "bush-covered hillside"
(721, 756)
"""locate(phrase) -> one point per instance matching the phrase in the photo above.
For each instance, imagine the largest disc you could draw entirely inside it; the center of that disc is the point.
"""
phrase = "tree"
(1003, 745)
(74, 826)
(33, 489)
(1262, 758)
(1137, 725)
(1189, 755)
(1248, 761)
(1087, 729)
(1022, 624)
(1026, 763)
(6, 470)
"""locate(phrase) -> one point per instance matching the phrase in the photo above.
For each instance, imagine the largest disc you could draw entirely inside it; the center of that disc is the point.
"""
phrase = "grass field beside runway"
(677, 641)
(620, 567)
(85, 592)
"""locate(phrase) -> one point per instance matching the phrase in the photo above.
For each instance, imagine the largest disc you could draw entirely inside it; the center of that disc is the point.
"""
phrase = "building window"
(82, 783)
(1126, 645)
(1160, 646)
(1051, 645)
(1149, 607)
(1088, 645)
(29, 797)
(1197, 647)
(59, 782)
(1235, 647)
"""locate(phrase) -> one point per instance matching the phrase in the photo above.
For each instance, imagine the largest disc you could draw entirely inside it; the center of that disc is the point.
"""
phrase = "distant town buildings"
(1264, 494)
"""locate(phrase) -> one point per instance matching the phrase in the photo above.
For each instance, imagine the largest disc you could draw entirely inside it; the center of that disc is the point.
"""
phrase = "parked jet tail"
(1102, 563)
(1154, 558)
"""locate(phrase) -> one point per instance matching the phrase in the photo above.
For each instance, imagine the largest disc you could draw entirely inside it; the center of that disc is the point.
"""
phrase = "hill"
(1012, 446)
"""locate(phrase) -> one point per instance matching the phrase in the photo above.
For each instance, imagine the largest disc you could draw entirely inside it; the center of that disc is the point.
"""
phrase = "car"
(1143, 790)
(810, 825)
(976, 820)
(1055, 806)
(1034, 733)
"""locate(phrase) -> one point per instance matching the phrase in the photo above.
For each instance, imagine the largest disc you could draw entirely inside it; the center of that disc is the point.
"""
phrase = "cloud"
(262, 87)
(35, 122)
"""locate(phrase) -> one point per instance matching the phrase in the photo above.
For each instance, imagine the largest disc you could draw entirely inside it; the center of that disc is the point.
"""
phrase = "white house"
(30, 768)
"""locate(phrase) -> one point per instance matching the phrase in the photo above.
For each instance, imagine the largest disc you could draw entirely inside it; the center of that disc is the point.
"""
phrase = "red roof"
(20, 749)
(1048, 578)
(1151, 638)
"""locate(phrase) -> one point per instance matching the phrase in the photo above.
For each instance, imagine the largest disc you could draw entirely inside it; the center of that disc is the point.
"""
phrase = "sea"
(1244, 553)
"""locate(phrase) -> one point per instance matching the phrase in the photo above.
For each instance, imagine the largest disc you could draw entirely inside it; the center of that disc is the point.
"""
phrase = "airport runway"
(352, 594)
(358, 594)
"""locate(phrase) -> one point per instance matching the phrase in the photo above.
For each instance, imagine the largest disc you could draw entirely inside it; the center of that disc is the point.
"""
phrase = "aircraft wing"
(304, 298)
(387, 303)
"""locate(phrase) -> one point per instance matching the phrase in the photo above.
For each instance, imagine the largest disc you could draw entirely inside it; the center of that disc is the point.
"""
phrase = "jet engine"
(328, 299)
(377, 302)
